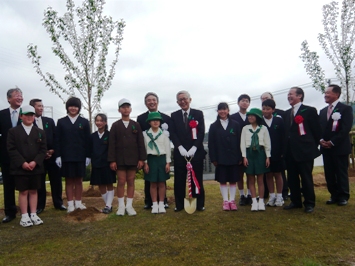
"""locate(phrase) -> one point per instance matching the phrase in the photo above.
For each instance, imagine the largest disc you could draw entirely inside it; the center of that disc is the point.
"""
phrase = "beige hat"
(123, 101)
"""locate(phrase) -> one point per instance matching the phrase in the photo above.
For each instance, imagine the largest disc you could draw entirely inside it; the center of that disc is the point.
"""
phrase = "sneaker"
(120, 211)
(70, 209)
(80, 206)
(36, 220)
(107, 210)
(271, 201)
(254, 207)
(162, 208)
(248, 200)
(242, 200)
(130, 211)
(26, 222)
(226, 206)
(279, 202)
(261, 206)
(232, 205)
(155, 209)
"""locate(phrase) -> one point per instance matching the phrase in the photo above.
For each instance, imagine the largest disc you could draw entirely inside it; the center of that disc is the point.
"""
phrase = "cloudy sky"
(216, 50)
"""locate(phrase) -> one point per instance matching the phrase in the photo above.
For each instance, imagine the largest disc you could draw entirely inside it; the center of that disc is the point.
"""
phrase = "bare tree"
(89, 34)
(337, 46)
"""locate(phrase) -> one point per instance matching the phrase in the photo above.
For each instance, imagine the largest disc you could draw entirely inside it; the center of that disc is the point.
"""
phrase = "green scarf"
(255, 139)
(152, 143)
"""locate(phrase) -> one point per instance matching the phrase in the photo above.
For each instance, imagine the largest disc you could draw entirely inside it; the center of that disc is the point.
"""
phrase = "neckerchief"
(255, 139)
(152, 143)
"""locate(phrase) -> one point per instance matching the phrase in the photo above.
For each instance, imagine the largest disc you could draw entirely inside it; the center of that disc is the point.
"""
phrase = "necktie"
(330, 107)
(14, 118)
(185, 119)
(39, 122)
(292, 114)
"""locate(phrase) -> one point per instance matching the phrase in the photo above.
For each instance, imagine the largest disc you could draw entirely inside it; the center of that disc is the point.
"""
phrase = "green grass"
(212, 237)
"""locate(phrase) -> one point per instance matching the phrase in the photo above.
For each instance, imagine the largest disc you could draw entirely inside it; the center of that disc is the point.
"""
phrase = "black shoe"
(147, 206)
(292, 206)
(166, 205)
(331, 201)
(178, 209)
(285, 197)
(61, 208)
(242, 200)
(342, 202)
(201, 209)
(8, 219)
(40, 210)
(308, 209)
(107, 210)
(249, 201)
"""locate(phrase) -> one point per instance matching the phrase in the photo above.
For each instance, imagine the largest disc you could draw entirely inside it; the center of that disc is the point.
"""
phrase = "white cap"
(123, 101)
(27, 109)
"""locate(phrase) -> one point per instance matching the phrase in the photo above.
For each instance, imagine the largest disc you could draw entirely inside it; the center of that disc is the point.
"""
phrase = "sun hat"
(154, 116)
(256, 111)
(27, 109)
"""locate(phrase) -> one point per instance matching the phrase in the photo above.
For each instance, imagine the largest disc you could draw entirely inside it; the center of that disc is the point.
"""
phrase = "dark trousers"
(180, 177)
(336, 175)
(9, 191)
(56, 186)
(300, 172)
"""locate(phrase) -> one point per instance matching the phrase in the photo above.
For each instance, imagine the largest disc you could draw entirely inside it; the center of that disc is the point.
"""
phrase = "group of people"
(261, 143)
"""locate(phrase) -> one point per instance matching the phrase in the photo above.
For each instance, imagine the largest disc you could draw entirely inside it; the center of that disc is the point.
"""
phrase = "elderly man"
(9, 118)
(187, 131)
(151, 100)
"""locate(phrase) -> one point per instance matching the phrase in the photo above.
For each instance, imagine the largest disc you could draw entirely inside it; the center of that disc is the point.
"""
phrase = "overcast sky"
(216, 50)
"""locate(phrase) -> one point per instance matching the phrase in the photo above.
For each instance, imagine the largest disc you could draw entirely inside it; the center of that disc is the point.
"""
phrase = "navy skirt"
(227, 173)
(73, 169)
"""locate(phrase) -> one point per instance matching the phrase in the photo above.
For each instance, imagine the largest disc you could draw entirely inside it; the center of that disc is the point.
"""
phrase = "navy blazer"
(303, 147)
(49, 128)
(72, 140)
(277, 137)
(340, 138)
(141, 119)
(239, 119)
(181, 136)
(99, 149)
(224, 144)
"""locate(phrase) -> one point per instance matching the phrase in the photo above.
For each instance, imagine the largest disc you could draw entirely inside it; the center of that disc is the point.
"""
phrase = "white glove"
(192, 151)
(58, 161)
(87, 162)
(182, 151)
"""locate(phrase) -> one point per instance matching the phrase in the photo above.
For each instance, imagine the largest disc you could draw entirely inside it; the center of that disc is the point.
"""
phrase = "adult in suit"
(336, 121)
(50, 167)
(151, 100)
(187, 145)
(9, 118)
(302, 136)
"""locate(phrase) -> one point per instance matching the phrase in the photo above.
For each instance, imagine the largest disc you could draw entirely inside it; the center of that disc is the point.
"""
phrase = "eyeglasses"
(183, 100)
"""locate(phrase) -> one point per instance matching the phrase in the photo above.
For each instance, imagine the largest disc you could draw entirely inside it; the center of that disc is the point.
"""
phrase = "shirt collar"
(334, 103)
(188, 111)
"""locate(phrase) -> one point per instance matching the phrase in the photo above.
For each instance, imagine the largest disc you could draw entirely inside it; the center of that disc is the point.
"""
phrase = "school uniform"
(23, 147)
(238, 117)
(73, 145)
(224, 148)
(101, 174)
(256, 155)
(158, 155)
(126, 144)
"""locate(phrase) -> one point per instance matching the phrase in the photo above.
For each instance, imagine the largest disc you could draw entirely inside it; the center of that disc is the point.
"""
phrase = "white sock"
(77, 202)
(104, 196)
(109, 198)
(241, 192)
(224, 192)
(261, 200)
(25, 215)
(279, 195)
(271, 195)
(232, 191)
(129, 202)
(121, 202)
(70, 203)
(248, 192)
(161, 203)
(33, 215)
(254, 200)
(155, 203)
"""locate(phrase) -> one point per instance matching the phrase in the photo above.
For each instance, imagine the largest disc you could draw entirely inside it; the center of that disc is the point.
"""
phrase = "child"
(73, 151)
(224, 151)
(241, 118)
(275, 126)
(101, 174)
(255, 146)
(27, 149)
(126, 154)
(157, 166)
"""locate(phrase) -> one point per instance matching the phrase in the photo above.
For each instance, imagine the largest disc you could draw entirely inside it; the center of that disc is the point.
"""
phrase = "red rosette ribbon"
(299, 120)
(191, 173)
(193, 125)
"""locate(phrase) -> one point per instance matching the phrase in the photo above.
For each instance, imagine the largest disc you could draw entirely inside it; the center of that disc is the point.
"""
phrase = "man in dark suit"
(9, 118)
(50, 167)
(302, 136)
(336, 121)
(188, 143)
(151, 100)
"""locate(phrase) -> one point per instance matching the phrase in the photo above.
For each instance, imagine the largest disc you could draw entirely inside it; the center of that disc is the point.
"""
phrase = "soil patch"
(91, 214)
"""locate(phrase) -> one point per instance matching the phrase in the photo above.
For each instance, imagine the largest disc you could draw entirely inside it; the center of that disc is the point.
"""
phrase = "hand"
(182, 151)
(49, 154)
(267, 163)
(167, 168)
(113, 166)
(87, 161)
(245, 162)
(215, 163)
(146, 168)
(140, 164)
(192, 151)
(58, 161)
(32, 165)
(25, 166)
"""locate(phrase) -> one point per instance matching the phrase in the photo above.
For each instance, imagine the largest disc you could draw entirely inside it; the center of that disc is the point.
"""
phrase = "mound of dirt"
(91, 214)
(319, 180)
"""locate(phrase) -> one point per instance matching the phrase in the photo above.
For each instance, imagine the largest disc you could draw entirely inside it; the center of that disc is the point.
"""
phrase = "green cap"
(256, 111)
(154, 116)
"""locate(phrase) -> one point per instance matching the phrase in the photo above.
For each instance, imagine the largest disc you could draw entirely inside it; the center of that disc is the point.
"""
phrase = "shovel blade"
(190, 205)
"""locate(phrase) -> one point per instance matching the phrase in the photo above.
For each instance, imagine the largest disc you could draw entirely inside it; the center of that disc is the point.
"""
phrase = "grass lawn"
(212, 237)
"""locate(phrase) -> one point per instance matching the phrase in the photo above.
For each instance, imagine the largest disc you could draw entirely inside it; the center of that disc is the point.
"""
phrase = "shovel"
(189, 202)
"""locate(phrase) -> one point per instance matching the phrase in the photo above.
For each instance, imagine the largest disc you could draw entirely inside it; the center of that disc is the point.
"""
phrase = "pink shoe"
(233, 206)
(226, 206)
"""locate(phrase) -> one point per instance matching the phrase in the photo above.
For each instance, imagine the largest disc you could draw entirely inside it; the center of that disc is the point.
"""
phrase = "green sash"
(152, 143)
